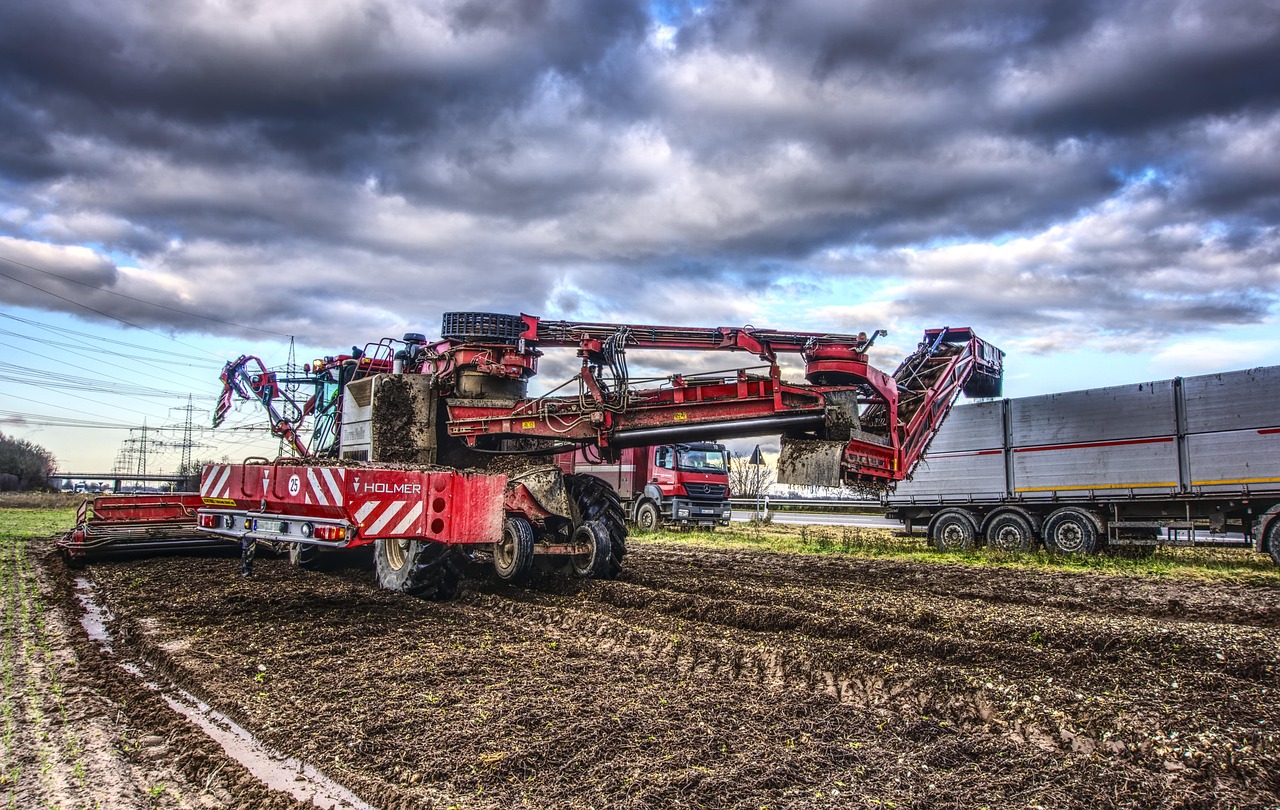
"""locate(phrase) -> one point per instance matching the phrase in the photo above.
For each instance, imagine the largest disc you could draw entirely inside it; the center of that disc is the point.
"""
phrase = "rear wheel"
(953, 530)
(304, 555)
(513, 554)
(417, 567)
(647, 517)
(596, 562)
(590, 499)
(1010, 531)
(1072, 531)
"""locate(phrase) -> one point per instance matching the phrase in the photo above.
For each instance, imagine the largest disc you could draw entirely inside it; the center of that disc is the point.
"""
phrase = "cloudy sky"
(1095, 186)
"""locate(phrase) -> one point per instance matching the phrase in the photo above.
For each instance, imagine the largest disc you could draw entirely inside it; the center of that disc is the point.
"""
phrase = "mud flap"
(546, 485)
(810, 463)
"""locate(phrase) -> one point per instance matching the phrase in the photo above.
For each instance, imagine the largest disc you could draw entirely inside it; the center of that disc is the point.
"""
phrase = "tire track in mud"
(967, 672)
(715, 680)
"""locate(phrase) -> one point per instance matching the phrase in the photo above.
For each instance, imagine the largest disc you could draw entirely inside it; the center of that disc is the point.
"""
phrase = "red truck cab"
(683, 484)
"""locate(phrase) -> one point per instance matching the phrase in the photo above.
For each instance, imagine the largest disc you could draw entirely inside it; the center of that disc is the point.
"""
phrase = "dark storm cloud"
(1021, 162)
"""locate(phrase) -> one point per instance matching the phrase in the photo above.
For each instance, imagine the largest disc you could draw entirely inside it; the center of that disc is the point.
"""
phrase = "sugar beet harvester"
(433, 451)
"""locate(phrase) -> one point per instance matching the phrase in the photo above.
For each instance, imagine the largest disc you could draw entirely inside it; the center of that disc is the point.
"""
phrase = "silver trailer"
(1185, 461)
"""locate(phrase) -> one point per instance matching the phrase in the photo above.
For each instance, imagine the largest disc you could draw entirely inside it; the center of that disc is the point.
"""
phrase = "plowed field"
(716, 678)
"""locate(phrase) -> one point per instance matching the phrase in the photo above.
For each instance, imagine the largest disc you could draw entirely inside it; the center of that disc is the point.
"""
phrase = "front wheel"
(647, 517)
(1072, 531)
(513, 554)
(953, 530)
(416, 567)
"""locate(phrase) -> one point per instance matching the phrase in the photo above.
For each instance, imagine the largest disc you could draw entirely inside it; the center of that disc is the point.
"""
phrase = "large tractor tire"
(1010, 531)
(513, 554)
(304, 555)
(416, 567)
(591, 499)
(953, 530)
(1073, 531)
(597, 563)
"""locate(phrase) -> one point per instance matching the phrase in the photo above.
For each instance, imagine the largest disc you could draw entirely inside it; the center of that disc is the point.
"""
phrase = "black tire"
(513, 554)
(595, 564)
(1072, 531)
(416, 567)
(590, 498)
(647, 517)
(1010, 531)
(1272, 537)
(304, 555)
(482, 327)
(953, 530)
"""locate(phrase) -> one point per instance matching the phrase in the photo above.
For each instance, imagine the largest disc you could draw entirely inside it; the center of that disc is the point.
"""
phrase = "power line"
(142, 301)
(73, 410)
(91, 370)
(103, 314)
(80, 348)
(48, 380)
(100, 339)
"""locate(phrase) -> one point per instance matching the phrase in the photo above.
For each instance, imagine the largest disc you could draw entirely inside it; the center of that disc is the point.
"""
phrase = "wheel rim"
(397, 553)
(1069, 537)
(1008, 538)
(582, 562)
(953, 535)
(504, 552)
(647, 520)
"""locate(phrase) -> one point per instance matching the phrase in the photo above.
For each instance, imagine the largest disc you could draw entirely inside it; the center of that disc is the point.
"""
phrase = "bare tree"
(748, 480)
(25, 465)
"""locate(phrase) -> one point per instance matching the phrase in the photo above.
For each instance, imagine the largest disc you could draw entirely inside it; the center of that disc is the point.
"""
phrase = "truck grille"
(709, 491)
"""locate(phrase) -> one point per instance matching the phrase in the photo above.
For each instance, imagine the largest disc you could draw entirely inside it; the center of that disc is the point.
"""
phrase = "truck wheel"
(1072, 531)
(1010, 531)
(1273, 540)
(416, 567)
(953, 530)
(647, 517)
(304, 555)
(590, 498)
(594, 564)
(513, 554)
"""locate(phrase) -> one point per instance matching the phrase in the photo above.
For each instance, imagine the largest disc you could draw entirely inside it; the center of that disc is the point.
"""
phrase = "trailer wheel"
(304, 555)
(513, 554)
(1010, 531)
(1072, 531)
(647, 517)
(1273, 540)
(597, 562)
(416, 567)
(590, 498)
(953, 530)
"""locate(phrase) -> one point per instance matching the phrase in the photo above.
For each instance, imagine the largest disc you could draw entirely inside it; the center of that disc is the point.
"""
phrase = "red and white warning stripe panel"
(279, 484)
(447, 507)
(325, 486)
(215, 485)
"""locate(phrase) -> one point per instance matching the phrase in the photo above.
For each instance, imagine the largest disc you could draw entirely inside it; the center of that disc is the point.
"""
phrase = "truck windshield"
(702, 461)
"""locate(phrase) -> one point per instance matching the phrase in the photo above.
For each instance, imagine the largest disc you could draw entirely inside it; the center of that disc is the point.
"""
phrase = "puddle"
(275, 770)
